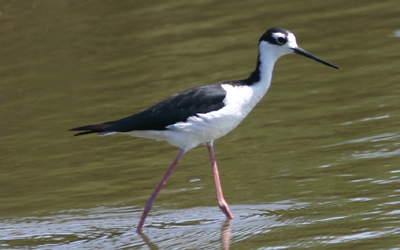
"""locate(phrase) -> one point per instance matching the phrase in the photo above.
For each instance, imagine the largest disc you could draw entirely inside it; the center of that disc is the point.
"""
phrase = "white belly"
(196, 130)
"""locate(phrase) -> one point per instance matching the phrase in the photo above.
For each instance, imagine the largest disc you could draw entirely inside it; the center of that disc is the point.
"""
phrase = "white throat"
(268, 55)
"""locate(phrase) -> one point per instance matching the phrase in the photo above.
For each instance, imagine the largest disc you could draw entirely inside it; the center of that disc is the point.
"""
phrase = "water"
(315, 165)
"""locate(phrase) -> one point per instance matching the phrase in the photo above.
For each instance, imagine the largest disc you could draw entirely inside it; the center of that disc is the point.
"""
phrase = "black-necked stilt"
(206, 113)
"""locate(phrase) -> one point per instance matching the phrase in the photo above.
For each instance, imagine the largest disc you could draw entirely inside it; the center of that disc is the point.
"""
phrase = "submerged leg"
(151, 199)
(221, 201)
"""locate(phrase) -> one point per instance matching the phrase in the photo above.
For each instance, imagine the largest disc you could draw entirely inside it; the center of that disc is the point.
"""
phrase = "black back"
(177, 108)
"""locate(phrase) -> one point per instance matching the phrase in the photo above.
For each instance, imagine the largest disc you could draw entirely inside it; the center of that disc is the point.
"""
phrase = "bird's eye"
(281, 40)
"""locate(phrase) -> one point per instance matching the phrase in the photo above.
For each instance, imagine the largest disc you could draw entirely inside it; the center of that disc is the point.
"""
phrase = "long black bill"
(302, 52)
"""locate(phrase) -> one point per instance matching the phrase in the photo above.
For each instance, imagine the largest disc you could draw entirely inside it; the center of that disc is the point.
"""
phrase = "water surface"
(315, 165)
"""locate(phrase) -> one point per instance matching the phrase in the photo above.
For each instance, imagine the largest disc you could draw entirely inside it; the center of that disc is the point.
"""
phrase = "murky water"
(315, 165)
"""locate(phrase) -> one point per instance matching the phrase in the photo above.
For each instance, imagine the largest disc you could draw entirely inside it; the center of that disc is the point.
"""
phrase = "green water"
(315, 165)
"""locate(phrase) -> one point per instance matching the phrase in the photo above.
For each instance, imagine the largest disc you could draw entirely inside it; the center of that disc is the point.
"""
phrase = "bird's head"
(279, 42)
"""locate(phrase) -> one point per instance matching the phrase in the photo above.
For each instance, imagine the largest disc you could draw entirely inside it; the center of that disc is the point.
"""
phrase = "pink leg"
(221, 201)
(151, 199)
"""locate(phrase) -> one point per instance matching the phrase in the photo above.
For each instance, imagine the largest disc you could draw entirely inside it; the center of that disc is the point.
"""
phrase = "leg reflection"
(225, 234)
(225, 237)
(147, 242)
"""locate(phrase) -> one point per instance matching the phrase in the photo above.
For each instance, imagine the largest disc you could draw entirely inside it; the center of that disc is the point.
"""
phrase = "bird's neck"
(262, 75)
(260, 79)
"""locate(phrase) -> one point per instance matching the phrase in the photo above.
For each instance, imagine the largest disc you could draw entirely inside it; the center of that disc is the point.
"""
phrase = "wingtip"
(89, 129)
(84, 133)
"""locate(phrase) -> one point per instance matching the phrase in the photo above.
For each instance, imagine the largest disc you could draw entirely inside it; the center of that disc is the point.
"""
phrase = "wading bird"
(206, 113)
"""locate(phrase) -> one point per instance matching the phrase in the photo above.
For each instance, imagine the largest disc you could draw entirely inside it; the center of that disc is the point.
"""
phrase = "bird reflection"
(225, 237)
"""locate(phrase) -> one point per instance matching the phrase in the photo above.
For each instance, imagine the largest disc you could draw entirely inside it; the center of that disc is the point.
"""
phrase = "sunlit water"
(315, 165)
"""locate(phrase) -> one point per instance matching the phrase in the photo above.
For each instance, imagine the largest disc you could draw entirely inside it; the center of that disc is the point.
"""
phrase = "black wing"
(177, 108)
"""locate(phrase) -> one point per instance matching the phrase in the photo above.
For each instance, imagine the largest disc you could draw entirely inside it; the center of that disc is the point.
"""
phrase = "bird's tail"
(89, 129)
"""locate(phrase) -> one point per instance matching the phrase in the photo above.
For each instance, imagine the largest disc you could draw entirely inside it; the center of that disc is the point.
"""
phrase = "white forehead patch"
(292, 41)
